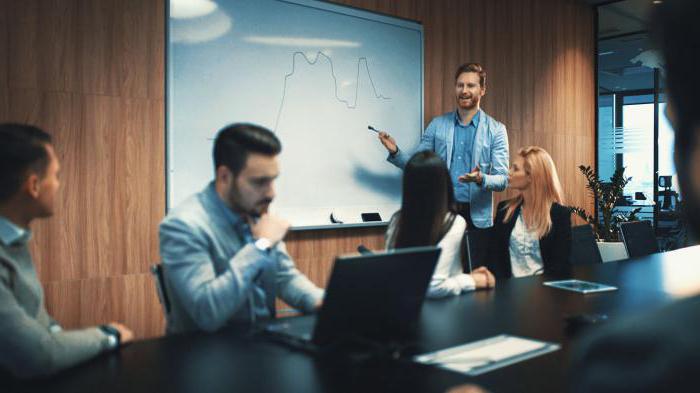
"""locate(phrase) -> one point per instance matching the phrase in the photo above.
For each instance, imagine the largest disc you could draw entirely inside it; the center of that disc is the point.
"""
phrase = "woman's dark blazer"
(555, 247)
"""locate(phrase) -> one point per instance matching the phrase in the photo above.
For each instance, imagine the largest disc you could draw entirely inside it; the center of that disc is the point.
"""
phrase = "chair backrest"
(666, 205)
(159, 279)
(466, 251)
(584, 250)
(362, 249)
(639, 238)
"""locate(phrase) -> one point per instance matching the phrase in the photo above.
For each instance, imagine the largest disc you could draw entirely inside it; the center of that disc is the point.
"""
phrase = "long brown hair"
(544, 190)
(427, 198)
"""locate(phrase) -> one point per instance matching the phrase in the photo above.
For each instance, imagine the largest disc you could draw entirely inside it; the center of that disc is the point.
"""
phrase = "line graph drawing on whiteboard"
(353, 105)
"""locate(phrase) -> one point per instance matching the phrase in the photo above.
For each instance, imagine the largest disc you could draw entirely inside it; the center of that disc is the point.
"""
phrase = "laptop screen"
(375, 297)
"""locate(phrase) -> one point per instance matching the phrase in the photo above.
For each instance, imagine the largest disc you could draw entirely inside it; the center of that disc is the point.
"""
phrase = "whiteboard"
(317, 74)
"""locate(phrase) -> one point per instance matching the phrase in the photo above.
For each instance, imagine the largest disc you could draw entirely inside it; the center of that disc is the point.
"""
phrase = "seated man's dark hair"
(22, 150)
(234, 143)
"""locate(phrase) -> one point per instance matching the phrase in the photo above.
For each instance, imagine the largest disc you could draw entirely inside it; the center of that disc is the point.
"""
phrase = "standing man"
(223, 254)
(475, 148)
(32, 344)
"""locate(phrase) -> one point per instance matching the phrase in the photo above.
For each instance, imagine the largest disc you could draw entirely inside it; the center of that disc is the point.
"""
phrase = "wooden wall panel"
(92, 73)
(121, 47)
(315, 251)
(130, 299)
(4, 103)
(4, 77)
(43, 43)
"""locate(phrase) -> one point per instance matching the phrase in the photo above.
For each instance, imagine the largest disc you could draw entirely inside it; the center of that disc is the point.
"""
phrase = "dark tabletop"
(236, 361)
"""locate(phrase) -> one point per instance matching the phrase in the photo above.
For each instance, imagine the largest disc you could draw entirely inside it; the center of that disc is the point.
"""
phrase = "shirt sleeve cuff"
(250, 260)
(313, 297)
(466, 282)
(484, 181)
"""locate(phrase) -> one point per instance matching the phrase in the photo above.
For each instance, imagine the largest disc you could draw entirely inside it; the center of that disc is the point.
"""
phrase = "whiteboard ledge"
(340, 226)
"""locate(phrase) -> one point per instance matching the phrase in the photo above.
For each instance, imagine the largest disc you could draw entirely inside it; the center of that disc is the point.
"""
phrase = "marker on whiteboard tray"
(368, 217)
(335, 220)
(373, 129)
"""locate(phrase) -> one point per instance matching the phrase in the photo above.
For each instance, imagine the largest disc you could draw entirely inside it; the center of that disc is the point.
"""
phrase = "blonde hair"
(544, 190)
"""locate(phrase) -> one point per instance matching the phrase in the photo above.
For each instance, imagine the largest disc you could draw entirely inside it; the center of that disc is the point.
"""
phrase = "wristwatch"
(114, 338)
(263, 244)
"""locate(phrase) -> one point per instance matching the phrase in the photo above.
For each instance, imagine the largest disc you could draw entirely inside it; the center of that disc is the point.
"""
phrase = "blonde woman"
(532, 231)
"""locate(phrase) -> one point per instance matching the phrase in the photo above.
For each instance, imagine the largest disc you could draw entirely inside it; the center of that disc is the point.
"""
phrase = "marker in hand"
(386, 139)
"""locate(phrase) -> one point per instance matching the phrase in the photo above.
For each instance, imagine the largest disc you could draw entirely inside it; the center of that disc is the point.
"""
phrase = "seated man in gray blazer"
(223, 255)
(32, 344)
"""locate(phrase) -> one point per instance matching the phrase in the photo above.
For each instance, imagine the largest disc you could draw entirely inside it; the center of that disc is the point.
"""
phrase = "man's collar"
(474, 121)
(227, 213)
(11, 234)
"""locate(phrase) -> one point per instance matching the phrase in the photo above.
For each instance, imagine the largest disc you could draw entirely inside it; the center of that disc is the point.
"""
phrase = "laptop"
(374, 298)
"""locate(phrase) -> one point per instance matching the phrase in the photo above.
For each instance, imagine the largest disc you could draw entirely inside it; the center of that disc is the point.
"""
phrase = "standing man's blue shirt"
(489, 151)
(462, 155)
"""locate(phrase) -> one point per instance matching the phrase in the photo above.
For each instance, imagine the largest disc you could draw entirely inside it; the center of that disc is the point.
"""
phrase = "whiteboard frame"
(317, 4)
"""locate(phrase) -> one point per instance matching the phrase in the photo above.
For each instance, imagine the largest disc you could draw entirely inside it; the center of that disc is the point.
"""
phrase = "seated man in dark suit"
(32, 344)
(660, 351)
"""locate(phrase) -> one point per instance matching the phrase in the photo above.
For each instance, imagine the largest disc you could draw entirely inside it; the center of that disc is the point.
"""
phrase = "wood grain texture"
(122, 47)
(106, 47)
(315, 251)
(4, 61)
(4, 103)
(43, 43)
(92, 73)
(131, 299)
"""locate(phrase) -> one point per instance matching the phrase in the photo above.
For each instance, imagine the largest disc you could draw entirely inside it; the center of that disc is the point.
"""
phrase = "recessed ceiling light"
(658, 1)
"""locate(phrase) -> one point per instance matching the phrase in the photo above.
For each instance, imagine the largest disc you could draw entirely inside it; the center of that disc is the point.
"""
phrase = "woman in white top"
(427, 218)
(532, 231)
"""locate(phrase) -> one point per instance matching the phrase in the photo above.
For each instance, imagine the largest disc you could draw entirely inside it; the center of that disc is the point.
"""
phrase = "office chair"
(364, 250)
(467, 253)
(666, 194)
(639, 238)
(584, 249)
(159, 279)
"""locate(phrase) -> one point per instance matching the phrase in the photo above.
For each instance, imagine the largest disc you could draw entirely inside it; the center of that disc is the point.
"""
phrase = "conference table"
(232, 360)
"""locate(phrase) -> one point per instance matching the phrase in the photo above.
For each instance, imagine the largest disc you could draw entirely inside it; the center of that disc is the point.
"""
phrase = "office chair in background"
(639, 238)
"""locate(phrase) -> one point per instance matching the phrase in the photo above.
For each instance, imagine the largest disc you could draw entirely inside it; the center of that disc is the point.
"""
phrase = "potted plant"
(607, 195)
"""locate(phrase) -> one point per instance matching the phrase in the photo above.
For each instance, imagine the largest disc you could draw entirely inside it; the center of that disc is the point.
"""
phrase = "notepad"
(486, 355)
(580, 286)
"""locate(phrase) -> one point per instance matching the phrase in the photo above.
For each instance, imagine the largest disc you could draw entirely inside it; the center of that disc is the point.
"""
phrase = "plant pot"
(612, 251)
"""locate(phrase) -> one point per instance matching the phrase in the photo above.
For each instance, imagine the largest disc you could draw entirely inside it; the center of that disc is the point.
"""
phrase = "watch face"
(263, 244)
(112, 341)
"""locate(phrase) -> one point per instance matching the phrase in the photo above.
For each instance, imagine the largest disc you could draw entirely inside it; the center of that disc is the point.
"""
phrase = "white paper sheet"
(486, 355)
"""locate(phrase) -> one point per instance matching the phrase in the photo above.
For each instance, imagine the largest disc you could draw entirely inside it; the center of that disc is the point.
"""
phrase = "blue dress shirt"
(462, 155)
(13, 234)
(489, 151)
